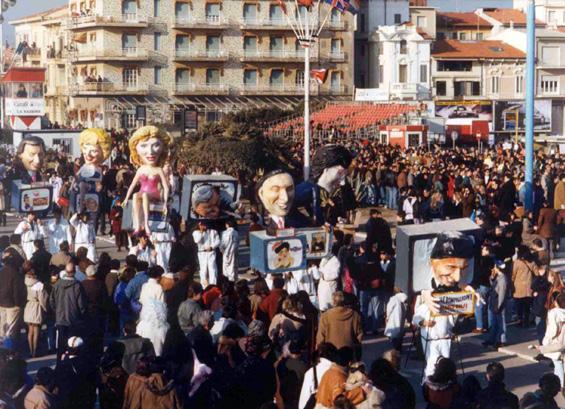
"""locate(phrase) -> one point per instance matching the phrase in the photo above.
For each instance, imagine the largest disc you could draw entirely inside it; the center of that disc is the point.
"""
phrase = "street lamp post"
(530, 100)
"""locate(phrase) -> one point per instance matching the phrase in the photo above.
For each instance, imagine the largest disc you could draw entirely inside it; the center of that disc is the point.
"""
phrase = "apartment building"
(134, 60)
(551, 12)
(462, 26)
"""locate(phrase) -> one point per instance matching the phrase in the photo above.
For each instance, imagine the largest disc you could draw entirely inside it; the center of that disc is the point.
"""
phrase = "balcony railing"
(194, 54)
(335, 90)
(208, 21)
(211, 89)
(271, 23)
(287, 55)
(278, 89)
(126, 19)
(126, 53)
(336, 24)
(109, 87)
(337, 56)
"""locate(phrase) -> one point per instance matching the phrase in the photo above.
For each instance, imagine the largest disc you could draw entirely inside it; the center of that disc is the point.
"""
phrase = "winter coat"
(497, 293)
(559, 196)
(553, 343)
(332, 385)
(522, 276)
(340, 326)
(152, 392)
(40, 398)
(68, 300)
(129, 349)
(329, 275)
(37, 300)
(541, 287)
(13, 290)
(495, 396)
(270, 304)
(188, 315)
(546, 223)
(440, 396)
(396, 315)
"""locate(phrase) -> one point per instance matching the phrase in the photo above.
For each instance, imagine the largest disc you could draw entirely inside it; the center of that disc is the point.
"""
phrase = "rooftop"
(509, 16)
(462, 20)
(38, 16)
(454, 49)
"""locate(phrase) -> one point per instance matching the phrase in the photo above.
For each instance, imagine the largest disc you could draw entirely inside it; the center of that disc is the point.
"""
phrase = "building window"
(335, 81)
(275, 14)
(519, 86)
(549, 84)
(335, 17)
(157, 71)
(129, 77)
(299, 79)
(249, 12)
(277, 78)
(467, 88)
(440, 35)
(250, 78)
(250, 45)
(182, 76)
(551, 16)
(421, 21)
(403, 73)
(550, 56)
(336, 47)
(212, 76)
(441, 88)
(494, 84)
(182, 43)
(129, 9)
(129, 43)
(276, 45)
(156, 8)
(181, 12)
(462, 36)
(301, 13)
(213, 12)
(403, 47)
(424, 73)
(397, 18)
(157, 41)
(465, 66)
(212, 44)
(479, 36)
(381, 74)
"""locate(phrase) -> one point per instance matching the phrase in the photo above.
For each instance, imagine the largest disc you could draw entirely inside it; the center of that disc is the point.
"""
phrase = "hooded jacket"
(340, 326)
(554, 340)
(68, 300)
(396, 315)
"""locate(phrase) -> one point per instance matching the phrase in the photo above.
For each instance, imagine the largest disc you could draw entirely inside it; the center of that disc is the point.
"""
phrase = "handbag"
(311, 403)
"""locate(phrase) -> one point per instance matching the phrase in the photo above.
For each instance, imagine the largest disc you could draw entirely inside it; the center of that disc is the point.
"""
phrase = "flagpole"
(306, 111)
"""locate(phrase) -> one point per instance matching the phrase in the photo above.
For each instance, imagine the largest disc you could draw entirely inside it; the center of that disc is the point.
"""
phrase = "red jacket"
(270, 304)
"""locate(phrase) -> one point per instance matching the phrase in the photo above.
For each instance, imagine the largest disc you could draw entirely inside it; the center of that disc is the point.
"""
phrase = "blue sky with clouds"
(25, 8)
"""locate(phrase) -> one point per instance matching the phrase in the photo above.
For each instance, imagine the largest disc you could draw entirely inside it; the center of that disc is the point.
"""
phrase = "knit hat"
(209, 296)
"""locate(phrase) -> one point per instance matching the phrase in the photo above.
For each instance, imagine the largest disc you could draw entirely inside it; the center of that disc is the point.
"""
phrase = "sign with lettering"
(456, 303)
(25, 107)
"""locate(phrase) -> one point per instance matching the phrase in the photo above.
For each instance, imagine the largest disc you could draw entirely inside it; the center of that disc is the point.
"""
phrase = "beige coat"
(559, 196)
(522, 275)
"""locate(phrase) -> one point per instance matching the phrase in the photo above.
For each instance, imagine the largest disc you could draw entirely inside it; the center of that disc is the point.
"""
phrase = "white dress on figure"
(229, 246)
(329, 274)
(153, 323)
(163, 242)
(207, 241)
(29, 232)
(57, 233)
(85, 236)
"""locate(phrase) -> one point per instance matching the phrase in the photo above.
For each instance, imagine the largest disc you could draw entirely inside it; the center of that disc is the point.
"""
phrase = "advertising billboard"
(508, 113)
(463, 112)
(25, 106)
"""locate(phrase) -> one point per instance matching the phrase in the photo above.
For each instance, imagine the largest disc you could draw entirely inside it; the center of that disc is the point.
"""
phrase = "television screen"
(208, 197)
(91, 202)
(286, 253)
(319, 242)
(35, 199)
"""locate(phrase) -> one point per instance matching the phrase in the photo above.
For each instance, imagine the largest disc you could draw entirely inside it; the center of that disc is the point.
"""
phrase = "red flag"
(305, 3)
(320, 75)
(283, 6)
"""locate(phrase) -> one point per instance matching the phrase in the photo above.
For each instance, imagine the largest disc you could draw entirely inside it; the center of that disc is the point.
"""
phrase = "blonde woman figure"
(149, 149)
(95, 145)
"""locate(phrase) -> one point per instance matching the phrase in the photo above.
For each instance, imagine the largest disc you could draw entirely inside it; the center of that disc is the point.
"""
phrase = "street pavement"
(522, 371)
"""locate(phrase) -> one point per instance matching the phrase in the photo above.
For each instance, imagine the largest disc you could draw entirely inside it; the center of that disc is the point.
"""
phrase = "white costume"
(144, 254)
(163, 242)
(151, 290)
(85, 236)
(229, 245)
(29, 233)
(57, 184)
(308, 387)
(57, 233)
(436, 340)
(153, 323)
(329, 274)
(304, 280)
(207, 241)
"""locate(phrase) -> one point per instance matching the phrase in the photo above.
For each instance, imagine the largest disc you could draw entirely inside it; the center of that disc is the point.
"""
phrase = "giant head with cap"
(329, 166)
(450, 258)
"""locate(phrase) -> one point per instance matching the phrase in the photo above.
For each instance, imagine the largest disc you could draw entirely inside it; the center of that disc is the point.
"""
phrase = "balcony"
(266, 24)
(129, 20)
(56, 91)
(335, 90)
(276, 89)
(276, 55)
(130, 54)
(187, 54)
(336, 25)
(108, 88)
(336, 56)
(208, 22)
(409, 91)
(201, 89)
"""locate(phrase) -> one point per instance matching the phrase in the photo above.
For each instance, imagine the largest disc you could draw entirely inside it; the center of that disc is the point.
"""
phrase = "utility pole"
(530, 100)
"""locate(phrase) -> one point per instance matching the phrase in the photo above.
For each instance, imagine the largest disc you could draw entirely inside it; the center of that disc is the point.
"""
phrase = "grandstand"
(352, 118)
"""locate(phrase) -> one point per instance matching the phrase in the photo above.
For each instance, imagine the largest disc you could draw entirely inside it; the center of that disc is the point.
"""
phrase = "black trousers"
(523, 306)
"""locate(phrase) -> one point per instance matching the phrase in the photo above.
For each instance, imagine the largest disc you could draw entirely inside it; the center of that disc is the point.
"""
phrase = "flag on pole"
(20, 48)
(345, 5)
(320, 75)
(305, 3)
(283, 6)
(354, 6)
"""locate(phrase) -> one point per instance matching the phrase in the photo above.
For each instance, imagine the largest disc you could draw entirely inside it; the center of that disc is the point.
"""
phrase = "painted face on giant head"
(92, 154)
(447, 271)
(332, 177)
(277, 194)
(150, 151)
(209, 209)
(450, 258)
(32, 157)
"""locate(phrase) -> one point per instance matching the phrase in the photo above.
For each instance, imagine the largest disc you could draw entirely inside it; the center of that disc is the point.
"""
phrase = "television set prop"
(319, 241)
(157, 217)
(275, 255)
(414, 244)
(28, 198)
(456, 303)
(228, 194)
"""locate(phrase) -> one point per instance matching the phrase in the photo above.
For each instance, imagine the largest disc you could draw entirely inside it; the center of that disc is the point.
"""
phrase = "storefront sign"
(25, 107)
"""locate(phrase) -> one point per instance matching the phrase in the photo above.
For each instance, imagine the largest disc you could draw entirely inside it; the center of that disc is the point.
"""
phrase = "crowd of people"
(170, 324)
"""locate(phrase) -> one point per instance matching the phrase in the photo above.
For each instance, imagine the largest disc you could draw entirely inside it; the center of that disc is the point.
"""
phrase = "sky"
(25, 8)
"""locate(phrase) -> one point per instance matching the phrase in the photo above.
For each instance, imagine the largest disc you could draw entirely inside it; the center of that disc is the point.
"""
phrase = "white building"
(549, 11)
(400, 56)
(468, 5)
